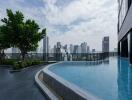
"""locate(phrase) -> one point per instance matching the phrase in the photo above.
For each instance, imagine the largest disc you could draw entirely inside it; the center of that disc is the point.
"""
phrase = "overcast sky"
(70, 21)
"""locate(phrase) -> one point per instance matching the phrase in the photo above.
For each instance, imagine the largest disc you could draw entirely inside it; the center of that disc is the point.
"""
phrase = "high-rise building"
(45, 47)
(65, 48)
(125, 29)
(54, 49)
(105, 44)
(79, 49)
(88, 49)
(84, 47)
(75, 50)
(71, 48)
(59, 45)
(58, 54)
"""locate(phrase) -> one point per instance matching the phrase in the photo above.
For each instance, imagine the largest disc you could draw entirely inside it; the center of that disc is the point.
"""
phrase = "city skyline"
(57, 16)
(82, 47)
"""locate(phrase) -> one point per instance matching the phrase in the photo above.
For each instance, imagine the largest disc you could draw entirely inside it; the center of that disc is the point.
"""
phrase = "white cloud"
(98, 19)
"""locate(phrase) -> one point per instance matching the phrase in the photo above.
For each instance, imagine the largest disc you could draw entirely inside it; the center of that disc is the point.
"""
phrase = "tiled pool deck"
(19, 85)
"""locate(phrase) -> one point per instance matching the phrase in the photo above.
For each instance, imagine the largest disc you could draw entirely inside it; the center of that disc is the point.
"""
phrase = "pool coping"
(74, 88)
(44, 88)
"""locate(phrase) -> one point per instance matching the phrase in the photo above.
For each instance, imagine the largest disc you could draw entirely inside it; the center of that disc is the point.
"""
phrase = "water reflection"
(124, 80)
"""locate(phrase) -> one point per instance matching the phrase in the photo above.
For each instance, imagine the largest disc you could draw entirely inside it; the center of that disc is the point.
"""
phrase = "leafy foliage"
(23, 64)
(4, 42)
(22, 34)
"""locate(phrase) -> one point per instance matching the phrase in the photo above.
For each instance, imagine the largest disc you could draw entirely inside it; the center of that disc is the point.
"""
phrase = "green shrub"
(16, 66)
(21, 64)
(8, 62)
(29, 63)
(35, 62)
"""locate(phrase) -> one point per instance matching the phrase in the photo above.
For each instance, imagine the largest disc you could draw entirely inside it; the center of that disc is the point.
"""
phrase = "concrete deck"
(20, 85)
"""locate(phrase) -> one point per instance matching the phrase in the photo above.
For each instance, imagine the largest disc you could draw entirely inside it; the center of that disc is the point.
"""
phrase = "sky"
(70, 21)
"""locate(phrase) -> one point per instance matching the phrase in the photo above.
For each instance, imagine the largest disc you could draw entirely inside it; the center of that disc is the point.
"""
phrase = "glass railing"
(62, 56)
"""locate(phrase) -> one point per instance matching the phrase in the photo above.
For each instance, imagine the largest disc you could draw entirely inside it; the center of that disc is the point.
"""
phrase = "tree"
(4, 42)
(29, 38)
(24, 35)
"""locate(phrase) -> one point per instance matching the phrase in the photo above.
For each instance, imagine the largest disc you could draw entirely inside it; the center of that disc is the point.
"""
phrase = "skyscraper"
(88, 49)
(58, 44)
(105, 44)
(71, 48)
(58, 51)
(79, 49)
(54, 49)
(65, 48)
(75, 50)
(84, 47)
(45, 47)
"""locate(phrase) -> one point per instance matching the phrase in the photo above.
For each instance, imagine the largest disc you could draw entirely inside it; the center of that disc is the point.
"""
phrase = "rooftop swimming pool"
(108, 80)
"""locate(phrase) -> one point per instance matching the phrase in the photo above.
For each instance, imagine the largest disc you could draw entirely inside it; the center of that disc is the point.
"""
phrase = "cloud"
(88, 21)
(71, 21)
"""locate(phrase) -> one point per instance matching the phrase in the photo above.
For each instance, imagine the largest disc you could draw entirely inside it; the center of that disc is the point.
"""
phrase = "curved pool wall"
(108, 80)
(64, 88)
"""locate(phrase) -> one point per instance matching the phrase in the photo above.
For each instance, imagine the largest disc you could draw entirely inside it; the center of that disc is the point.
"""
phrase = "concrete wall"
(63, 88)
(60, 89)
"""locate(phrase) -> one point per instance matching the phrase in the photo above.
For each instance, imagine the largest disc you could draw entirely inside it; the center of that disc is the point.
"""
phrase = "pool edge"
(44, 88)
(65, 86)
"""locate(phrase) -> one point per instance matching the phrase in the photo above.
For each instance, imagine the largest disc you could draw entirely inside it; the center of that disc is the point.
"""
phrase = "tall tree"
(24, 35)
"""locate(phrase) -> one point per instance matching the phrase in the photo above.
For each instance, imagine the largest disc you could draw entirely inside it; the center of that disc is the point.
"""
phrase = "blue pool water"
(109, 80)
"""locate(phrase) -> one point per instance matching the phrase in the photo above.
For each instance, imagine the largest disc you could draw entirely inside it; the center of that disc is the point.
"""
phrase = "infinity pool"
(108, 80)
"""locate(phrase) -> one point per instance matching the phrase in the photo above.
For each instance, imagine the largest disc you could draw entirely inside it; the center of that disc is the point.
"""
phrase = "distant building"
(84, 47)
(65, 48)
(58, 51)
(51, 51)
(88, 49)
(75, 50)
(45, 47)
(59, 45)
(105, 44)
(71, 48)
(15, 50)
(41, 49)
(54, 49)
(93, 50)
(115, 49)
(79, 49)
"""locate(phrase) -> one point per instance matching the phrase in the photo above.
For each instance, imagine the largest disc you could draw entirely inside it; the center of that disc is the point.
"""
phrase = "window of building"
(123, 10)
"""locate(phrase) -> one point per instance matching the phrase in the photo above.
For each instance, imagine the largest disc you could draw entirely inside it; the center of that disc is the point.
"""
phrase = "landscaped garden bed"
(20, 64)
